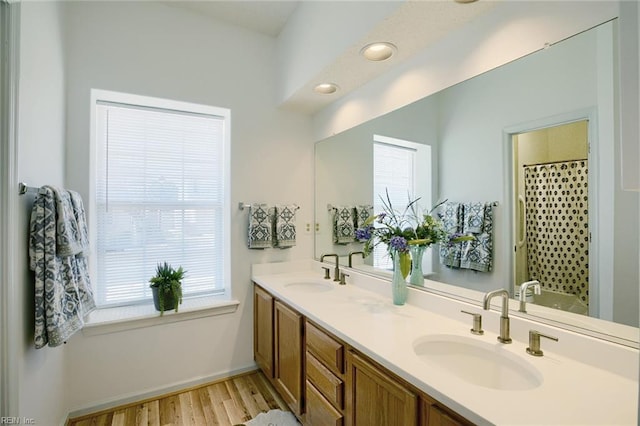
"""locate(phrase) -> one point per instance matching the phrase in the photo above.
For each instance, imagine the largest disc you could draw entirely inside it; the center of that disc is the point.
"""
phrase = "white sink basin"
(478, 362)
(310, 286)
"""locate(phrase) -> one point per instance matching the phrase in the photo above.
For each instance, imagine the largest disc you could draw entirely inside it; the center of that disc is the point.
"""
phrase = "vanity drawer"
(325, 381)
(319, 411)
(325, 348)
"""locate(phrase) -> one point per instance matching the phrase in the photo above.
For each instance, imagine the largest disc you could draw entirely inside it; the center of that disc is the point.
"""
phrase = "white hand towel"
(285, 226)
(363, 212)
(451, 216)
(260, 226)
(477, 254)
(343, 228)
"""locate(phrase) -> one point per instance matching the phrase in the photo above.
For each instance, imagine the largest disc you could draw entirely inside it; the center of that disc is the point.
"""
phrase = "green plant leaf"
(369, 220)
(419, 242)
(405, 264)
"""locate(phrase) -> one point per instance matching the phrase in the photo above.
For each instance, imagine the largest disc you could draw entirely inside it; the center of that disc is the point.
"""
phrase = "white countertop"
(585, 381)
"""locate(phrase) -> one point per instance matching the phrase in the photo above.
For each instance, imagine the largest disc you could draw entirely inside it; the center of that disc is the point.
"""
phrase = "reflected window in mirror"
(402, 169)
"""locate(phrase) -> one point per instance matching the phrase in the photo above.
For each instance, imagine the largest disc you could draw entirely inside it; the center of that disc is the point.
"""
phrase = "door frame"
(589, 114)
(9, 305)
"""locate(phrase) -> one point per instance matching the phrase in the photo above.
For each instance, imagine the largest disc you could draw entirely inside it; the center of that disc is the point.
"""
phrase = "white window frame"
(99, 96)
(422, 184)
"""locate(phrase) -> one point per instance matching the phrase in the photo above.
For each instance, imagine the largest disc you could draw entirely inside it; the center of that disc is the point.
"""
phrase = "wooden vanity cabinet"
(374, 398)
(324, 378)
(288, 362)
(434, 414)
(327, 383)
(263, 330)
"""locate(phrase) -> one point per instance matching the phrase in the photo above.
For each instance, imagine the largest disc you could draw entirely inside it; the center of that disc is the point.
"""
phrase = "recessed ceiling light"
(326, 88)
(379, 51)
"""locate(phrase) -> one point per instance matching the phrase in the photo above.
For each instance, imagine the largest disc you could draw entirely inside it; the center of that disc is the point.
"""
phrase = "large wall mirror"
(495, 139)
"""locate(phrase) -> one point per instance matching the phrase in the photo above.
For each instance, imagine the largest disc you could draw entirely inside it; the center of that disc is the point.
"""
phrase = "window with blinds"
(393, 172)
(159, 197)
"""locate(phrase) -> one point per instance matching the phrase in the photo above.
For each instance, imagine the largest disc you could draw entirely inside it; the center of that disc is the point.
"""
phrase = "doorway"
(551, 193)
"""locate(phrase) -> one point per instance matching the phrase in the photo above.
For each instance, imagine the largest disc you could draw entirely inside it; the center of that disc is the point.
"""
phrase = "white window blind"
(393, 171)
(159, 197)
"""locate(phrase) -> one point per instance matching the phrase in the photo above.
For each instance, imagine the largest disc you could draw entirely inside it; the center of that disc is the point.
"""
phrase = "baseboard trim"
(164, 391)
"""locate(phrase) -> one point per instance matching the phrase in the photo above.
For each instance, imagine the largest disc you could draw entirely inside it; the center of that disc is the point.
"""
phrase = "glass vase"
(417, 276)
(398, 283)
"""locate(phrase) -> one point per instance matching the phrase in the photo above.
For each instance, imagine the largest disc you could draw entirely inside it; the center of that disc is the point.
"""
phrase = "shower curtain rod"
(553, 162)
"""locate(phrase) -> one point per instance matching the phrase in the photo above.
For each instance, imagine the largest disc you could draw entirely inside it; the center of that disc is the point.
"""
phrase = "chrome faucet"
(504, 317)
(351, 255)
(535, 284)
(336, 271)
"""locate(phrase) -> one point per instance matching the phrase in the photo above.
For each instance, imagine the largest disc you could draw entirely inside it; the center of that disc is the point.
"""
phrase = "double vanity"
(345, 354)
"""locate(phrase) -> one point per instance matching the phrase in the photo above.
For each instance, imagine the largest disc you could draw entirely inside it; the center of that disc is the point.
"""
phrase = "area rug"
(274, 418)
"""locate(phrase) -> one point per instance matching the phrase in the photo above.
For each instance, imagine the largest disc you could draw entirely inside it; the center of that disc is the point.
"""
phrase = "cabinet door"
(434, 415)
(263, 330)
(375, 399)
(288, 355)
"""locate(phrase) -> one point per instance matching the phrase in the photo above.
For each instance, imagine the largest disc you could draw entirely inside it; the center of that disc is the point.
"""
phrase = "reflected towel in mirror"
(362, 213)
(451, 216)
(473, 218)
(477, 254)
(344, 231)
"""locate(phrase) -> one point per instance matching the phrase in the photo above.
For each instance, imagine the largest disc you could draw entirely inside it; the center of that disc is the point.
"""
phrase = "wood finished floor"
(229, 402)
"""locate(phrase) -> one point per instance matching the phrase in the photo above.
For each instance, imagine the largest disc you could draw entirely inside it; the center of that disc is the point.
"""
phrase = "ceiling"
(264, 16)
(414, 26)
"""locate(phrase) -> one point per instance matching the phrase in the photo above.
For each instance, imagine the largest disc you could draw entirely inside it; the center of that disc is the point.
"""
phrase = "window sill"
(112, 320)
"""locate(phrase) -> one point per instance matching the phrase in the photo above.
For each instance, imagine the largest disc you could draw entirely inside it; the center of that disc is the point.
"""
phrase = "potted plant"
(166, 287)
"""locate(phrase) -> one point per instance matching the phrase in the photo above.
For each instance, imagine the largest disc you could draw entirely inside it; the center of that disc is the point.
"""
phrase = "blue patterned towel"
(477, 254)
(451, 216)
(473, 218)
(285, 225)
(260, 226)
(343, 230)
(363, 212)
(57, 244)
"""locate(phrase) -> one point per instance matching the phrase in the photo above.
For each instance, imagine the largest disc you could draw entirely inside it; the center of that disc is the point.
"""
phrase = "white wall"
(41, 92)
(149, 49)
(630, 98)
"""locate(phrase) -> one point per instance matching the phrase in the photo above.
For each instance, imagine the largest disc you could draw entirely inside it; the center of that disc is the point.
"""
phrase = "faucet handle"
(534, 342)
(477, 322)
(326, 273)
(342, 277)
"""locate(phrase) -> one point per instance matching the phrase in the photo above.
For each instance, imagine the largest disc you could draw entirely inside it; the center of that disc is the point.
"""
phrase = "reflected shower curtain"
(556, 197)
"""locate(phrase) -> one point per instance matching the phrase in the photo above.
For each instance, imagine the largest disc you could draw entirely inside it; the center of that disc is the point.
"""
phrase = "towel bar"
(23, 188)
(242, 206)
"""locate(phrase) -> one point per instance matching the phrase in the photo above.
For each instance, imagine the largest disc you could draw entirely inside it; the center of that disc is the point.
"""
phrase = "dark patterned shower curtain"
(557, 226)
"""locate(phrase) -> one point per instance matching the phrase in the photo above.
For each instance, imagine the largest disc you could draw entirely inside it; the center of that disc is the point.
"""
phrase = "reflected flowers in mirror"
(399, 230)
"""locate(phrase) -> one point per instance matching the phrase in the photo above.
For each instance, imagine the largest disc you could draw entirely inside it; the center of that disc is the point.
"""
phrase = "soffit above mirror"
(411, 27)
